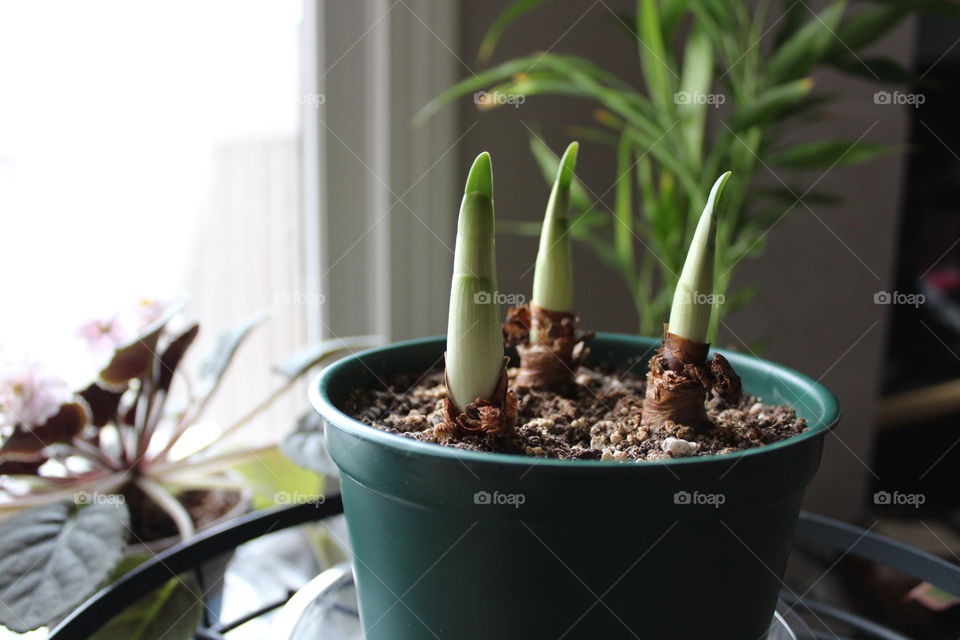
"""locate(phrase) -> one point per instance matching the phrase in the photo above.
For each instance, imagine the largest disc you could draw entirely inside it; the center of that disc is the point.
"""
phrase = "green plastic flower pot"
(462, 544)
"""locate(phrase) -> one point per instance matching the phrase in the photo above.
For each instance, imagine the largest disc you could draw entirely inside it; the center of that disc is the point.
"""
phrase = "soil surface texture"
(599, 419)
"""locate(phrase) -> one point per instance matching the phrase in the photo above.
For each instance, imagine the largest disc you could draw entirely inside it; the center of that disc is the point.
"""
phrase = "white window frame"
(379, 195)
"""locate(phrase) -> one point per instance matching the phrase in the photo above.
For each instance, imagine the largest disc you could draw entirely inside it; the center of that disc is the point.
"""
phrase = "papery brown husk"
(552, 365)
(678, 381)
(496, 416)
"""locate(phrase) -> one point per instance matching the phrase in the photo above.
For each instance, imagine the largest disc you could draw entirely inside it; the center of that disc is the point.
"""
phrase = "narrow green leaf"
(771, 104)
(797, 56)
(794, 14)
(878, 69)
(623, 206)
(823, 154)
(645, 185)
(722, 12)
(553, 273)
(654, 58)
(671, 13)
(475, 83)
(693, 299)
(549, 163)
(504, 20)
(538, 73)
(695, 81)
(567, 63)
(867, 26)
(717, 23)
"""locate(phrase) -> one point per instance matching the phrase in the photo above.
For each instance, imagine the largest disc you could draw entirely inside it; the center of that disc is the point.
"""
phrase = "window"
(147, 149)
(152, 148)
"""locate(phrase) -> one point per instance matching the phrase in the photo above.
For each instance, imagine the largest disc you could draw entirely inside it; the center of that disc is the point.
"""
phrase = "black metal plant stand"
(811, 529)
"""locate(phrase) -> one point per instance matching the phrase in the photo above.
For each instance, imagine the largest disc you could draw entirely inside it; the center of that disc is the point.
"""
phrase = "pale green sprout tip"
(693, 299)
(474, 359)
(553, 274)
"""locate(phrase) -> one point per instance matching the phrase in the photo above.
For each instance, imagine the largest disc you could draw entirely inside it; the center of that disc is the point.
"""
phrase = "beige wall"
(249, 261)
(816, 297)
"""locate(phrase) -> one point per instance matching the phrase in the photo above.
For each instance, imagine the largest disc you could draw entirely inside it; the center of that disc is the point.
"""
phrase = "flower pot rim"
(321, 401)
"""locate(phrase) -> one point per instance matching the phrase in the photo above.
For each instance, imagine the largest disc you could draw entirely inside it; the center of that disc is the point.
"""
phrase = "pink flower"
(149, 310)
(30, 395)
(105, 335)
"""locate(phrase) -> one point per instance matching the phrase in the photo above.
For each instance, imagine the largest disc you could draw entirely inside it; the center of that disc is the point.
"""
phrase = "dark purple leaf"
(136, 358)
(27, 445)
(103, 403)
(172, 355)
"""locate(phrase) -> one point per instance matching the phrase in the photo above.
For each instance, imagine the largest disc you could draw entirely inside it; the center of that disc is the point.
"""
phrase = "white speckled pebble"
(678, 448)
(541, 423)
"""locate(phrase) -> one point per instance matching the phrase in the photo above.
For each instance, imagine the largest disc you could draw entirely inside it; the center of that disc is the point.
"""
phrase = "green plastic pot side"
(462, 544)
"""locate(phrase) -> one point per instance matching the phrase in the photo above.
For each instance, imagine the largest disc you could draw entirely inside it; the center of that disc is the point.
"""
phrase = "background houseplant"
(720, 80)
(93, 474)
